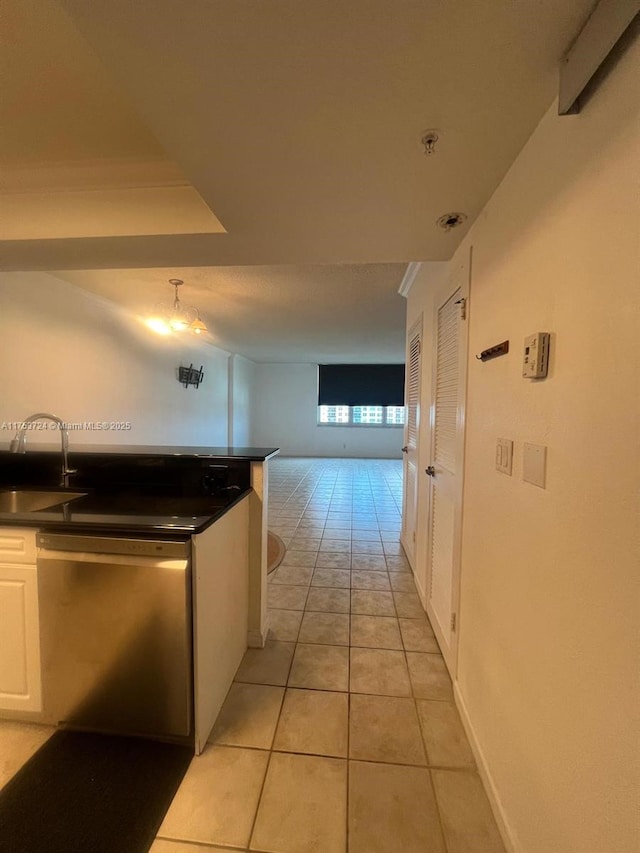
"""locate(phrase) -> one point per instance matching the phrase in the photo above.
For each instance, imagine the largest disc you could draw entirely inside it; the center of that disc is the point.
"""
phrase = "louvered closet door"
(446, 466)
(412, 394)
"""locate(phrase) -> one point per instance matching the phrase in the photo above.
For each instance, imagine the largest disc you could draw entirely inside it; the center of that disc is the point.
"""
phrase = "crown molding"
(408, 278)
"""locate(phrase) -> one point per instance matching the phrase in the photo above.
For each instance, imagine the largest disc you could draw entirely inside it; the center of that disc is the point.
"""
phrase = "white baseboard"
(256, 639)
(408, 552)
(508, 836)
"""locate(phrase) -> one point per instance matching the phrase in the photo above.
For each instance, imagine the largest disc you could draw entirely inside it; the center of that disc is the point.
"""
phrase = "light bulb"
(157, 325)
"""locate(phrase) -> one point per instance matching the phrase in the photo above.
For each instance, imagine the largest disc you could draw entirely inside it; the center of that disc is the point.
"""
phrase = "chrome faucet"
(18, 443)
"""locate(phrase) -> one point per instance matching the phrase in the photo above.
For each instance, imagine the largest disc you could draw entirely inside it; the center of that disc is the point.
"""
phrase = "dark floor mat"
(86, 793)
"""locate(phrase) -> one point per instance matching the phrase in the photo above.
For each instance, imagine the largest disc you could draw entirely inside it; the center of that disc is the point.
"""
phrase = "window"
(366, 395)
(365, 416)
(333, 414)
(368, 414)
(395, 415)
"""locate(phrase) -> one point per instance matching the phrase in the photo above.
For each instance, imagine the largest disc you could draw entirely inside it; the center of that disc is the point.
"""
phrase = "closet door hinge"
(463, 307)
(453, 623)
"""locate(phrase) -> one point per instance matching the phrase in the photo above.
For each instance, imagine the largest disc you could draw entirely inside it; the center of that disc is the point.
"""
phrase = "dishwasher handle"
(114, 545)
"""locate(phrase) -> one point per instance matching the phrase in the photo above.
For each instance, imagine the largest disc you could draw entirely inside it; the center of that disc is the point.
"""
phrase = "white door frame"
(459, 278)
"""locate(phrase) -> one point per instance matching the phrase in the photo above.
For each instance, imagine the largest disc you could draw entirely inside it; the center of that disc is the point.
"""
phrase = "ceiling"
(154, 137)
(287, 313)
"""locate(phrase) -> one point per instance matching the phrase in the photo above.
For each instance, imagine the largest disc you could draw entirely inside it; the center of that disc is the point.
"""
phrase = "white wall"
(66, 351)
(285, 416)
(241, 400)
(548, 654)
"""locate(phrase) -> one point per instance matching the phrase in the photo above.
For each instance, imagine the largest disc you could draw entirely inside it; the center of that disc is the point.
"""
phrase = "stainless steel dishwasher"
(115, 634)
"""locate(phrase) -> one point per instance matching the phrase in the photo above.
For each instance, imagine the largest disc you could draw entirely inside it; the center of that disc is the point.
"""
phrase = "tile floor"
(341, 735)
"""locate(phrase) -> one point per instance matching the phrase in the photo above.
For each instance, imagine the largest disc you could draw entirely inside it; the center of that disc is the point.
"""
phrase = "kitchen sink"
(27, 500)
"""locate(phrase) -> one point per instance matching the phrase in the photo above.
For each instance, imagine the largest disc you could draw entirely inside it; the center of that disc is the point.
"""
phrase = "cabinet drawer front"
(17, 545)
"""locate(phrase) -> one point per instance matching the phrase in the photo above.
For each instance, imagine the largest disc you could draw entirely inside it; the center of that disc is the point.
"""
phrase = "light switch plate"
(504, 456)
(534, 464)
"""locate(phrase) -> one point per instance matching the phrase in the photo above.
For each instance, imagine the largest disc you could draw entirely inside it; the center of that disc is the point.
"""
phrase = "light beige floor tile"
(160, 846)
(370, 547)
(249, 716)
(469, 825)
(292, 575)
(333, 561)
(372, 603)
(375, 632)
(283, 529)
(392, 549)
(329, 600)
(397, 564)
(303, 806)
(342, 523)
(313, 721)
(392, 809)
(370, 580)
(284, 624)
(336, 578)
(402, 582)
(417, 636)
(336, 546)
(18, 742)
(299, 558)
(231, 779)
(429, 676)
(305, 543)
(408, 605)
(267, 666)
(320, 667)
(444, 735)
(330, 532)
(284, 597)
(379, 671)
(310, 529)
(368, 563)
(366, 536)
(384, 728)
(325, 628)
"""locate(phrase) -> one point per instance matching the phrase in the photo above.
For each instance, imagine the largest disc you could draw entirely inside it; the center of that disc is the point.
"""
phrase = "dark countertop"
(250, 454)
(132, 489)
(126, 513)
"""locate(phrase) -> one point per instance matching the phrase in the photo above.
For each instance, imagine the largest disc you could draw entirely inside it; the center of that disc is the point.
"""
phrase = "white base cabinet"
(220, 612)
(20, 683)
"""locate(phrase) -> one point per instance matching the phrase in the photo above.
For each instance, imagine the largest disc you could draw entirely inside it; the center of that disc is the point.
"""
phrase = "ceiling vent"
(451, 220)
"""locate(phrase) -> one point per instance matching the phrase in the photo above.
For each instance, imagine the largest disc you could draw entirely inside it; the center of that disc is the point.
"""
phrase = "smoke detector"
(451, 220)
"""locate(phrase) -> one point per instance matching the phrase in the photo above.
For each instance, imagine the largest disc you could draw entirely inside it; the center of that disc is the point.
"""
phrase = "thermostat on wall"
(536, 356)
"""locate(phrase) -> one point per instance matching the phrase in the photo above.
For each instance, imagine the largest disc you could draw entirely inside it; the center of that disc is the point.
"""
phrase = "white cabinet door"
(410, 449)
(19, 639)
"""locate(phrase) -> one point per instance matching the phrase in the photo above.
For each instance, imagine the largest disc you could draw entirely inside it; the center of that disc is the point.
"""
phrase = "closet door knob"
(430, 471)
(405, 449)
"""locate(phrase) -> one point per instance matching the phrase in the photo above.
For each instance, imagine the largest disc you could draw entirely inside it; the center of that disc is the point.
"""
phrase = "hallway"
(341, 734)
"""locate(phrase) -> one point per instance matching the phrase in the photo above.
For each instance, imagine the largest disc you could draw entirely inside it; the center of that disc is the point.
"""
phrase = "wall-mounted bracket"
(190, 376)
(493, 352)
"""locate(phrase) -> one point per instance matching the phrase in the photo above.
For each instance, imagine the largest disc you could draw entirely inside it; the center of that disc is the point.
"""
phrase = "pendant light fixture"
(176, 317)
